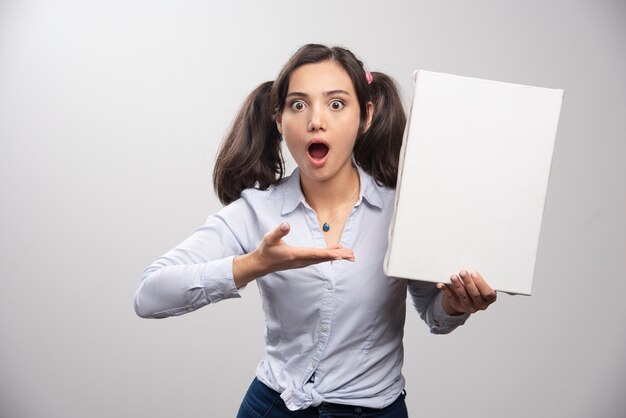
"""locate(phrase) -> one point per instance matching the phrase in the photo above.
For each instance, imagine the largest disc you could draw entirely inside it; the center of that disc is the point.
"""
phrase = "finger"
(475, 295)
(450, 294)
(486, 291)
(452, 300)
(464, 299)
(322, 254)
(276, 234)
(343, 254)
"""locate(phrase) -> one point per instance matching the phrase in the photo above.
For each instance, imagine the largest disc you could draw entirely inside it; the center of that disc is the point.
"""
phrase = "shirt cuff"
(218, 280)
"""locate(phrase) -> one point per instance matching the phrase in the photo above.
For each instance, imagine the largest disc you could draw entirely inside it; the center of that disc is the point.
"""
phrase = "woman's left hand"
(467, 293)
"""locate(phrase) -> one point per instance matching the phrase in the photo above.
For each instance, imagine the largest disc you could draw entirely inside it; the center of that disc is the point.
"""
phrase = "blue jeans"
(263, 402)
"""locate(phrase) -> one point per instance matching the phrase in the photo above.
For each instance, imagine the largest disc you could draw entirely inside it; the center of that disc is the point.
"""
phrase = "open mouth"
(318, 150)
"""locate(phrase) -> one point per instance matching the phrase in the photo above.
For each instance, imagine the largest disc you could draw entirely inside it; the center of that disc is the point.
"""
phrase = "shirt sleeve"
(427, 301)
(197, 272)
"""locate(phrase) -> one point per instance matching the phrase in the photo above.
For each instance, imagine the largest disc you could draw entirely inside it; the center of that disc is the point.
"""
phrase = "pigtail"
(377, 150)
(250, 155)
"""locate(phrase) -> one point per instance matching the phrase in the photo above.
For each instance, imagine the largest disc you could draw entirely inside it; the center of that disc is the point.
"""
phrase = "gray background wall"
(110, 117)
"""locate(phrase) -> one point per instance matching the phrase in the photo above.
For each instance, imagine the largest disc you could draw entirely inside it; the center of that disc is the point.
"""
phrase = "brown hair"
(250, 154)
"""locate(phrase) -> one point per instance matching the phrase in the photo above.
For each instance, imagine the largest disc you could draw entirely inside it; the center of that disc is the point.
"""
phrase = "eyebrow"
(326, 93)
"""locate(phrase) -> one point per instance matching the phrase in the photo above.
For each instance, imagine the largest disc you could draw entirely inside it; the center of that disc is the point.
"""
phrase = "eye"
(337, 105)
(297, 105)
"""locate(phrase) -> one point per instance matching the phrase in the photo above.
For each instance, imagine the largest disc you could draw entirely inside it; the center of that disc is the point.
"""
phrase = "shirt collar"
(293, 196)
(370, 190)
(292, 193)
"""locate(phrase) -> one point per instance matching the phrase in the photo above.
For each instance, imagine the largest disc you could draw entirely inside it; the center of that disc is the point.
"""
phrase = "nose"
(317, 120)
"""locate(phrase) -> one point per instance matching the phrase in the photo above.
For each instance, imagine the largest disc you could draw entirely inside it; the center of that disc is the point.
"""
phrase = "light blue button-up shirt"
(333, 330)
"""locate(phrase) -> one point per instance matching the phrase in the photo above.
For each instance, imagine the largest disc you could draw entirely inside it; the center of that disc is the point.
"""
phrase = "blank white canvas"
(472, 182)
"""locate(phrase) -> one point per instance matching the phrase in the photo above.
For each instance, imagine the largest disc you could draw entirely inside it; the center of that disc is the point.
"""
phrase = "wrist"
(248, 267)
(448, 308)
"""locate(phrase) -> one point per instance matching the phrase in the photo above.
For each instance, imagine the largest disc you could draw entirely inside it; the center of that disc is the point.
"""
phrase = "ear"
(279, 121)
(370, 115)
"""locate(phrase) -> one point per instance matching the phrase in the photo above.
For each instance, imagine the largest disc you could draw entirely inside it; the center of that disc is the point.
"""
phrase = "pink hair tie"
(368, 77)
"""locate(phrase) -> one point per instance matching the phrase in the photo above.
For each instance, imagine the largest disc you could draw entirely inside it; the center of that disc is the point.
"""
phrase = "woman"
(314, 241)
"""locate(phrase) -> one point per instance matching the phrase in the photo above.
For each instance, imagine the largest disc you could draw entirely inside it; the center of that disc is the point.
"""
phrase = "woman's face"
(320, 120)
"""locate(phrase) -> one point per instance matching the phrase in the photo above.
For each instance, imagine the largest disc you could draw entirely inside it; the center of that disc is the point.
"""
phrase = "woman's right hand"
(273, 254)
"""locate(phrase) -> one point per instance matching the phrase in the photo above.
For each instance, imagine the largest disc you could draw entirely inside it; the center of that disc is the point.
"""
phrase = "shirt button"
(324, 328)
(329, 285)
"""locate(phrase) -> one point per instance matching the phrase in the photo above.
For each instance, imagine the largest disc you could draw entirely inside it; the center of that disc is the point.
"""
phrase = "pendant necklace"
(326, 226)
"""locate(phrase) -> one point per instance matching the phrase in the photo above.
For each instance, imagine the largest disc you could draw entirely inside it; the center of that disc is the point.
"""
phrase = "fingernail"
(463, 274)
(284, 226)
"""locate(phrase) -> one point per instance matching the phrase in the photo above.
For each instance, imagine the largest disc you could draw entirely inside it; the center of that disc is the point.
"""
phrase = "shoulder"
(274, 194)
(255, 200)
(248, 217)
